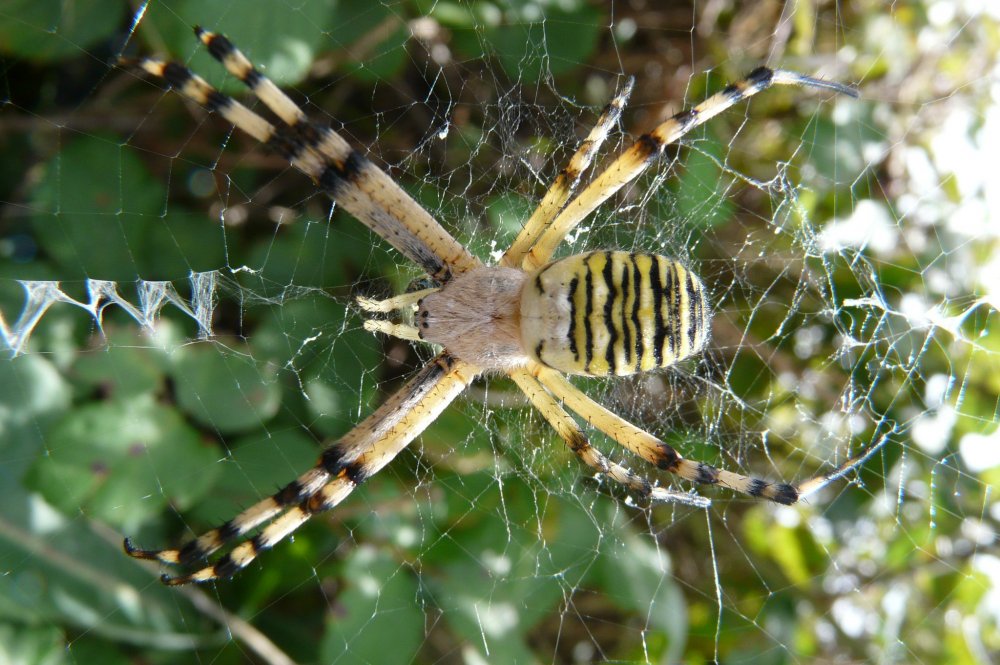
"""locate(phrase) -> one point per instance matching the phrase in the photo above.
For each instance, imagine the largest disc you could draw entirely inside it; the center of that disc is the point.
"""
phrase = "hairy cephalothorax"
(477, 317)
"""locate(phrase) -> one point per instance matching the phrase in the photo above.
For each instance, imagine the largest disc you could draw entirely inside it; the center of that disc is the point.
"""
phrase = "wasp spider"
(534, 319)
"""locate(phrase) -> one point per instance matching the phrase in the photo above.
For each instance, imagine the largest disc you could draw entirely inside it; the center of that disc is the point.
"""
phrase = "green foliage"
(230, 393)
(284, 40)
(102, 455)
(53, 30)
(488, 542)
(531, 39)
(380, 605)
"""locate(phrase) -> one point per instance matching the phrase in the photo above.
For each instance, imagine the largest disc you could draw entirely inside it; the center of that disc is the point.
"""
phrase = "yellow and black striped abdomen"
(619, 313)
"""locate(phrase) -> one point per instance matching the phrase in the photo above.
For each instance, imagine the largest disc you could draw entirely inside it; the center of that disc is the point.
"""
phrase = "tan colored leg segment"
(565, 183)
(648, 147)
(652, 449)
(397, 330)
(347, 176)
(357, 455)
(395, 303)
(570, 432)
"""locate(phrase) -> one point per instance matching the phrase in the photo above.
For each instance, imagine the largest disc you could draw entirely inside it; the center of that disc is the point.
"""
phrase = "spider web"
(850, 249)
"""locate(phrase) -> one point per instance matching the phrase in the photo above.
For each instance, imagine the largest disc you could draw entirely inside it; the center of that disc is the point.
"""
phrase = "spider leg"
(813, 485)
(649, 146)
(347, 176)
(392, 304)
(244, 553)
(398, 330)
(566, 181)
(376, 195)
(570, 432)
(209, 542)
(345, 464)
(652, 449)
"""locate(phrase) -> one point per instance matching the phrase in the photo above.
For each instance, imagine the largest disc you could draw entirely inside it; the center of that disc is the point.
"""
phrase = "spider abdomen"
(613, 312)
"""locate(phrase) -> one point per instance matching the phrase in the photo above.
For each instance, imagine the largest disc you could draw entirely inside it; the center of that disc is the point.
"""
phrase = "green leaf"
(101, 456)
(50, 30)
(507, 562)
(41, 645)
(282, 42)
(97, 209)
(121, 370)
(507, 213)
(530, 39)
(259, 464)
(637, 574)
(328, 355)
(378, 617)
(223, 390)
(30, 388)
(69, 573)
(703, 196)
(373, 35)
(310, 253)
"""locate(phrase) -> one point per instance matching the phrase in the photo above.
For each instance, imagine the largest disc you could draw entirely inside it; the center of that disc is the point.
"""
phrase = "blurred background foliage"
(851, 247)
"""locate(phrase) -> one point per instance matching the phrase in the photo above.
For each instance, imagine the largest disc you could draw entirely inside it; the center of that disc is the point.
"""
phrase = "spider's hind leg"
(655, 451)
(325, 498)
(573, 435)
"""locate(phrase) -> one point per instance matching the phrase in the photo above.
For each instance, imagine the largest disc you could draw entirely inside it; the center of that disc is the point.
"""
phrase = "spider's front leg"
(401, 302)
(344, 173)
(344, 465)
(568, 178)
(395, 303)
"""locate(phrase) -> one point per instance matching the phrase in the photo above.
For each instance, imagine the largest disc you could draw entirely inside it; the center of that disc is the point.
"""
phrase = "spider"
(530, 317)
